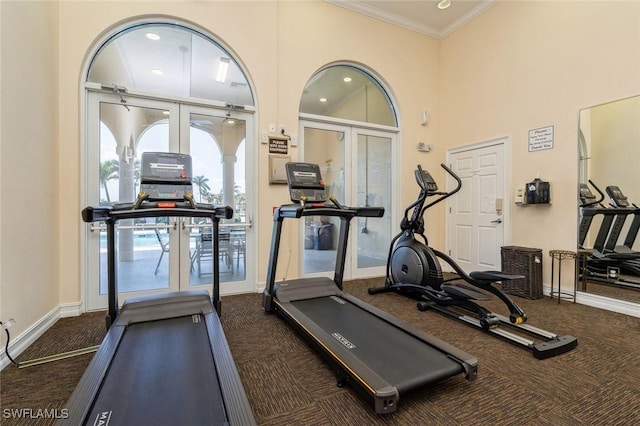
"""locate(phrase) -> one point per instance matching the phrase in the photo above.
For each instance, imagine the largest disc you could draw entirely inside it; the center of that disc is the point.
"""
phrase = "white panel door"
(475, 215)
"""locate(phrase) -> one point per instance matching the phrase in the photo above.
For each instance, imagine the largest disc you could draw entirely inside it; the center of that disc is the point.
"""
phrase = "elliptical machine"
(413, 269)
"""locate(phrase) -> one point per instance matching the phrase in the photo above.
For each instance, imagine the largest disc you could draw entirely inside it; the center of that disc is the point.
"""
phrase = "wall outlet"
(8, 324)
(519, 198)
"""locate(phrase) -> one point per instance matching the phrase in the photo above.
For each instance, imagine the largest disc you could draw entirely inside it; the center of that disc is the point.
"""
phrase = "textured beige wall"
(30, 248)
(531, 64)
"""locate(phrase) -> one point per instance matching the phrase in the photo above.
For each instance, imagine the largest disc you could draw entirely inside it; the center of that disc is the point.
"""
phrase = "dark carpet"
(289, 384)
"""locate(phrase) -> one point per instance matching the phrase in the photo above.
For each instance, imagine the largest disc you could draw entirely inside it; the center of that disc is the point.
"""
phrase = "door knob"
(498, 220)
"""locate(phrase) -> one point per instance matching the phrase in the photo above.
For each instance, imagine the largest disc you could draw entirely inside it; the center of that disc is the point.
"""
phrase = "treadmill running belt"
(400, 358)
(162, 373)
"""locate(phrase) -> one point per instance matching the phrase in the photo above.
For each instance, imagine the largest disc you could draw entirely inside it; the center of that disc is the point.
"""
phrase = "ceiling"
(422, 16)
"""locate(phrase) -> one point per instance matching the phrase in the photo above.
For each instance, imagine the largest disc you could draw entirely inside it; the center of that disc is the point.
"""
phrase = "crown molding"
(411, 24)
(464, 19)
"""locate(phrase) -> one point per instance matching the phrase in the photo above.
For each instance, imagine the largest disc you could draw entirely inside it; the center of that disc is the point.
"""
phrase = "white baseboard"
(615, 305)
(19, 343)
(602, 302)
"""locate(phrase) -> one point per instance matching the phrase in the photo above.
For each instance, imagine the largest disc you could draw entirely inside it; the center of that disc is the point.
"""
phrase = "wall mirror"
(609, 156)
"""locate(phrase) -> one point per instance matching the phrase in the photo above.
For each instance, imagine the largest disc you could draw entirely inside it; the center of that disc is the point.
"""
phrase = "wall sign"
(541, 139)
(278, 145)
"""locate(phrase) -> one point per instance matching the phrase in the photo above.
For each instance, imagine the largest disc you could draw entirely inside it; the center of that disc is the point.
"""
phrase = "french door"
(356, 168)
(165, 254)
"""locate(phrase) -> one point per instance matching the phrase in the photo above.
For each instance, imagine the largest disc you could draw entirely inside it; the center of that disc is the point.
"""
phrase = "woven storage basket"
(523, 261)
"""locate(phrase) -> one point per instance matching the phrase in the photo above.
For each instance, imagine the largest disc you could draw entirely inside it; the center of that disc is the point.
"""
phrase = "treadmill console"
(617, 197)
(166, 175)
(585, 195)
(305, 182)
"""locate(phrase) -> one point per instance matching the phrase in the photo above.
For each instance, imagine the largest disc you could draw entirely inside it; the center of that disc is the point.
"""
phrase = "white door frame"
(505, 141)
(89, 267)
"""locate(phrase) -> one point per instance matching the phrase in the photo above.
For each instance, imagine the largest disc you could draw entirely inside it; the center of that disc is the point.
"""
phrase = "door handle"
(498, 220)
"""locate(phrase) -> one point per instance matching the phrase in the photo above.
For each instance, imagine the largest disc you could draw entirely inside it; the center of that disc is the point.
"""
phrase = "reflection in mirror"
(609, 199)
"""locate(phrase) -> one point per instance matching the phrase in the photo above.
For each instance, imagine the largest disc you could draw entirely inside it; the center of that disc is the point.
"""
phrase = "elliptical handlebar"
(444, 195)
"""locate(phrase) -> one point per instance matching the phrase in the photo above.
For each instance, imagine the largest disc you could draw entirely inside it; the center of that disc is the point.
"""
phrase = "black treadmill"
(606, 255)
(371, 350)
(165, 358)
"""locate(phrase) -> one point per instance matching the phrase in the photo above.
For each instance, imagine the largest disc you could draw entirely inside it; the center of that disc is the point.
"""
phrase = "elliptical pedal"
(462, 291)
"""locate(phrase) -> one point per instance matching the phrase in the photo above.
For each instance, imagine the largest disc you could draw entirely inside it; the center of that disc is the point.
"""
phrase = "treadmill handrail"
(182, 209)
(298, 210)
(140, 209)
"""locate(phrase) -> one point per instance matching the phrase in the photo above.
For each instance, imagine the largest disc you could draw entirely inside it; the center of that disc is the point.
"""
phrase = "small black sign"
(278, 145)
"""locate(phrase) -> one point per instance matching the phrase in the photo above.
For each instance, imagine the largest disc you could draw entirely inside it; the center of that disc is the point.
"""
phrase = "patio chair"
(164, 244)
(205, 250)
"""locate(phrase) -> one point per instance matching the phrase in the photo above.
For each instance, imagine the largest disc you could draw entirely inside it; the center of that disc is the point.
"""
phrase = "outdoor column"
(125, 186)
(228, 179)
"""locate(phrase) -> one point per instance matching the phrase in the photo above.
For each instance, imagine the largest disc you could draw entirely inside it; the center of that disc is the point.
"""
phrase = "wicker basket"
(523, 261)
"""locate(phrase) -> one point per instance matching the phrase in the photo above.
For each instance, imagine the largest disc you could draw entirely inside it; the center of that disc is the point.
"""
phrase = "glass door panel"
(325, 147)
(373, 189)
(119, 132)
(143, 256)
(216, 142)
(356, 168)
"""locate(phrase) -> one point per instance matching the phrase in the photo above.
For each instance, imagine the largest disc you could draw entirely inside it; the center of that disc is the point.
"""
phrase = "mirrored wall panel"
(609, 199)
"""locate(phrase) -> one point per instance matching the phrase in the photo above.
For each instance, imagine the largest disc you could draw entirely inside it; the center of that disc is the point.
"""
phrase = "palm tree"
(109, 170)
(240, 201)
(201, 183)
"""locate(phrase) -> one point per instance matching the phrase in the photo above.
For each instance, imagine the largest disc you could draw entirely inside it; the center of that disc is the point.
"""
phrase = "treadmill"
(605, 255)
(377, 354)
(621, 204)
(165, 358)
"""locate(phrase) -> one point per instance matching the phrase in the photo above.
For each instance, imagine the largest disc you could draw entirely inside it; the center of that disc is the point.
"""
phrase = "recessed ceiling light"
(223, 68)
(347, 79)
(323, 99)
(157, 72)
(153, 36)
(443, 4)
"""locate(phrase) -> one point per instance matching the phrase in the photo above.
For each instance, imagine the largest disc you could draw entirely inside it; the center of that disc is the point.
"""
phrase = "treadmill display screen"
(585, 194)
(305, 182)
(166, 167)
(166, 175)
(617, 197)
